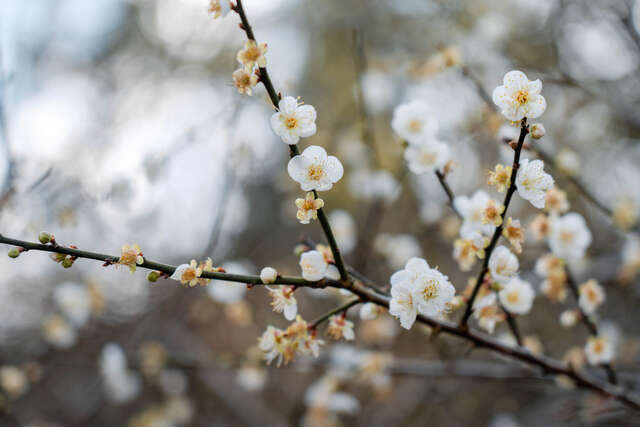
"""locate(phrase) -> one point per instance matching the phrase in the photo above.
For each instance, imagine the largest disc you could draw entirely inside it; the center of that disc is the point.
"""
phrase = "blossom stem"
(366, 294)
(339, 309)
(293, 148)
(445, 186)
(524, 130)
(588, 322)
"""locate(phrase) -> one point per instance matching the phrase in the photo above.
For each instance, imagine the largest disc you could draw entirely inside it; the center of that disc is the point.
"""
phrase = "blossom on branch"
(284, 301)
(500, 177)
(131, 256)
(293, 120)
(219, 8)
(599, 350)
(252, 55)
(569, 236)
(517, 296)
(471, 209)
(591, 296)
(519, 97)
(308, 208)
(503, 264)
(313, 265)
(533, 182)
(244, 80)
(514, 232)
(419, 288)
(427, 156)
(413, 122)
(314, 170)
(339, 327)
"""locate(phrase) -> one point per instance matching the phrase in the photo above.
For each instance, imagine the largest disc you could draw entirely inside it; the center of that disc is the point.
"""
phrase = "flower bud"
(44, 237)
(153, 276)
(300, 249)
(268, 275)
(14, 253)
(537, 131)
(67, 262)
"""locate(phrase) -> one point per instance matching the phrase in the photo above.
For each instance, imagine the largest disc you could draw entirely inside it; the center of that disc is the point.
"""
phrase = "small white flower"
(486, 311)
(273, 344)
(58, 332)
(293, 120)
(379, 184)
(569, 318)
(503, 264)
(120, 383)
(397, 249)
(533, 182)
(401, 305)
(314, 170)
(432, 293)
(591, 296)
(517, 296)
(472, 211)
(313, 265)
(518, 97)
(369, 311)
(427, 157)
(268, 275)
(569, 236)
(413, 122)
(568, 161)
(339, 327)
(599, 350)
(284, 301)
(219, 8)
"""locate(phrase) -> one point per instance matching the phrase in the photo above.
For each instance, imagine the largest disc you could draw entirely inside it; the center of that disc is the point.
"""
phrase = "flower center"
(252, 54)
(566, 237)
(431, 290)
(291, 122)
(189, 274)
(309, 205)
(315, 172)
(522, 97)
(598, 346)
(415, 125)
(513, 297)
(428, 158)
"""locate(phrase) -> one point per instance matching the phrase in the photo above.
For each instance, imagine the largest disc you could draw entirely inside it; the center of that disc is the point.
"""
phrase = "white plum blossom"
(427, 156)
(268, 275)
(75, 302)
(58, 332)
(284, 301)
(219, 8)
(419, 288)
(339, 327)
(503, 264)
(569, 318)
(225, 291)
(313, 265)
(413, 122)
(486, 311)
(533, 182)
(472, 211)
(591, 296)
(314, 170)
(398, 248)
(517, 296)
(518, 97)
(378, 184)
(293, 120)
(401, 305)
(569, 237)
(599, 350)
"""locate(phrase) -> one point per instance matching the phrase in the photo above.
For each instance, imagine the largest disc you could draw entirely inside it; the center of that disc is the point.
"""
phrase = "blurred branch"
(587, 321)
(445, 186)
(340, 309)
(524, 130)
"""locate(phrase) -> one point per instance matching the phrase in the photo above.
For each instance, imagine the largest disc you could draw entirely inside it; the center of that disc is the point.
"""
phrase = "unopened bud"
(537, 131)
(268, 275)
(67, 262)
(300, 249)
(14, 253)
(153, 276)
(44, 237)
(58, 257)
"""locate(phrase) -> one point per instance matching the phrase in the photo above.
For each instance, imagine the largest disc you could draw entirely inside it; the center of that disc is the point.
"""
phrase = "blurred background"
(119, 123)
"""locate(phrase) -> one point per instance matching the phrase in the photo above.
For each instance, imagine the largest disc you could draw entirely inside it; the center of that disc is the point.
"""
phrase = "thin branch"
(445, 186)
(524, 130)
(166, 268)
(366, 294)
(275, 100)
(340, 309)
(588, 322)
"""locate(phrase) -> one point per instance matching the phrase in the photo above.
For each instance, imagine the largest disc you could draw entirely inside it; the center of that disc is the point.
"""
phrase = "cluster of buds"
(251, 57)
(298, 338)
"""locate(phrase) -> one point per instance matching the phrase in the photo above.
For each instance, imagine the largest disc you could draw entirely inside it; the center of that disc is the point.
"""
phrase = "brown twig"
(524, 130)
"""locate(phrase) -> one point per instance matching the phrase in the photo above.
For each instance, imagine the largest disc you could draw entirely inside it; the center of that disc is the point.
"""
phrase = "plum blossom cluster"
(419, 288)
(415, 124)
(284, 345)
